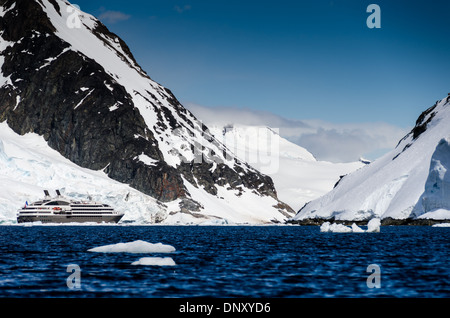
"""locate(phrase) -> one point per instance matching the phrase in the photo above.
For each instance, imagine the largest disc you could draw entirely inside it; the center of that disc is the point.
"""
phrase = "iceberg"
(134, 247)
(335, 228)
(155, 261)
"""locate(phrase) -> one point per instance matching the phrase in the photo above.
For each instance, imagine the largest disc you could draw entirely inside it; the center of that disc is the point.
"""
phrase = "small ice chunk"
(134, 247)
(155, 261)
(356, 229)
(374, 225)
(325, 227)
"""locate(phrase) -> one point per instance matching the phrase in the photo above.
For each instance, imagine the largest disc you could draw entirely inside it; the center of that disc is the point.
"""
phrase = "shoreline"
(384, 222)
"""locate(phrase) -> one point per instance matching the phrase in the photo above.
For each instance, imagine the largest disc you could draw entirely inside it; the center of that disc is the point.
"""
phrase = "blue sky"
(298, 60)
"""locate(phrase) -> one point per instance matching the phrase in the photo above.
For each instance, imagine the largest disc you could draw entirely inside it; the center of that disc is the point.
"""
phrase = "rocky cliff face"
(82, 89)
(46, 95)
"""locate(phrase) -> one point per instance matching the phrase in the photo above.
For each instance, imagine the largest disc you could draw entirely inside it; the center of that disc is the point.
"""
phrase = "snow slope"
(411, 181)
(297, 175)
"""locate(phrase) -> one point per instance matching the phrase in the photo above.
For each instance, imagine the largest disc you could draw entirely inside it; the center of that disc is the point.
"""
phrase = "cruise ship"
(62, 210)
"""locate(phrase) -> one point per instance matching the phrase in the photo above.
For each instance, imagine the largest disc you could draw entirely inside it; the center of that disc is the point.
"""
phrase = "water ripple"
(234, 261)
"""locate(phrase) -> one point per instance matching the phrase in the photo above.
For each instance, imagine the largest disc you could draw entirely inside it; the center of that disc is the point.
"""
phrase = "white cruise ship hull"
(47, 218)
(61, 210)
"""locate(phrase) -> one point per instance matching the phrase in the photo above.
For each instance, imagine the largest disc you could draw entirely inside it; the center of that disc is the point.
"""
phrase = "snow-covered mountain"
(64, 76)
(412, 182)
(298, 177)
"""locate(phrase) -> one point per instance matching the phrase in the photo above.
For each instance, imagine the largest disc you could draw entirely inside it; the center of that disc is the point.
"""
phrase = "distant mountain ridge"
(298, 177)
(83, 91)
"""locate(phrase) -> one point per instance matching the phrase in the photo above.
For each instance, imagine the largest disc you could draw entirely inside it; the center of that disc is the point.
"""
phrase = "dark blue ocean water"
(226, 261)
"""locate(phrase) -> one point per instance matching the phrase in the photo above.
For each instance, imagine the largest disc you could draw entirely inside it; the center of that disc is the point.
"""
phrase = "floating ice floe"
(134, 247)
(155, 261)
(356, 229)
(336, 228)
(372, 226)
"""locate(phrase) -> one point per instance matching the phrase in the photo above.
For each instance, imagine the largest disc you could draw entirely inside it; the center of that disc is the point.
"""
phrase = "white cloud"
(113, 16)
(232, 115)
(347, 142)
(326, 141)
